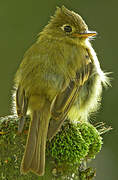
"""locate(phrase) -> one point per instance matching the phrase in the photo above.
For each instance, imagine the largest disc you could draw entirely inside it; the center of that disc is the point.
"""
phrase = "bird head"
(66, 23)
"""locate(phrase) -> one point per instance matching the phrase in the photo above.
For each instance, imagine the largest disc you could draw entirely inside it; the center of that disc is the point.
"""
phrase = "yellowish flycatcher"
(59, 77)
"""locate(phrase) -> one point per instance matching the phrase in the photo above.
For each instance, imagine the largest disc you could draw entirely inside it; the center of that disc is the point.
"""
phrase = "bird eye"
(67, 28)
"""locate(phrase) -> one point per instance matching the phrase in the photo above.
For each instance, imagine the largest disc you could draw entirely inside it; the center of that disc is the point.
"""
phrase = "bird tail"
(34, 156)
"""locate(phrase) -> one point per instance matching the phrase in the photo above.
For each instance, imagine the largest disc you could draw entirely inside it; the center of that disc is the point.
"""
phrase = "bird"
(59, 77)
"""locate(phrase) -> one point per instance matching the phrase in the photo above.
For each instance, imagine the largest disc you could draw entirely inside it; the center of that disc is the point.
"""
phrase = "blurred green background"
(20, 22)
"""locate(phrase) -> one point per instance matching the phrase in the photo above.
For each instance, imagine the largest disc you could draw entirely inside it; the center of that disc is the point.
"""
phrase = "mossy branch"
(66, 154)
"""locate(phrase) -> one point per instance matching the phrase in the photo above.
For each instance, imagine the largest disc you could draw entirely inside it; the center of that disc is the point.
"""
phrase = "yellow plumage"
(59, 77)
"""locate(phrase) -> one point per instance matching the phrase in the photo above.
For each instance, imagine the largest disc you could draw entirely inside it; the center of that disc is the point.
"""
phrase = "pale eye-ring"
(67, 28)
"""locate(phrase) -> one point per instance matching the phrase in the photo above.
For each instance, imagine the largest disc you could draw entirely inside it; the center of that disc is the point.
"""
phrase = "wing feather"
(63, 102)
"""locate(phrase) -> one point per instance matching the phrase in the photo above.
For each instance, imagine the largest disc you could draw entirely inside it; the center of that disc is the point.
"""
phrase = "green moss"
(11, 150)
(87, 174)
(91, 137)
(68, 145)
(74, 143)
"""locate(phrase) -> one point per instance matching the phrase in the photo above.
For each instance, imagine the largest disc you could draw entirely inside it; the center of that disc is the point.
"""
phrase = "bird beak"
(85, 34)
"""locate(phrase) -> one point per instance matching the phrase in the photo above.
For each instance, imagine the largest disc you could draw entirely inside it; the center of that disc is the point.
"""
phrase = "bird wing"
(63, 102)
(21, 107)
